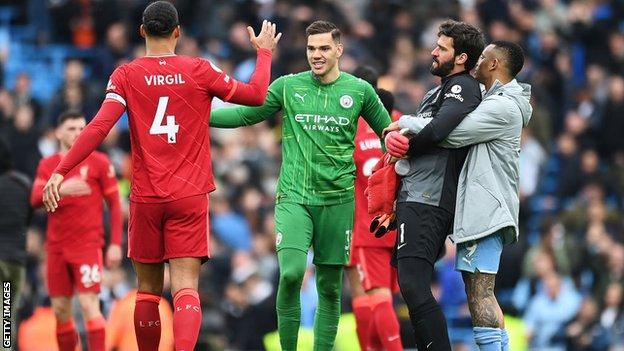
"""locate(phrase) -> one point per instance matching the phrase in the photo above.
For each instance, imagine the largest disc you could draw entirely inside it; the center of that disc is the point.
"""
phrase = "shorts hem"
(316, 263)
(60, 295)
(473, 270)
(203, 258)
(291, 247)
(147, 260)
(88, 291)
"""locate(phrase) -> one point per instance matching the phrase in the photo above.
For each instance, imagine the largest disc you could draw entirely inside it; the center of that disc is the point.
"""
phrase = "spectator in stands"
(22, 96)
(549, 310)
(532, 159)
(612, 124)
(23, 139)
(584, 332)
(76, 94)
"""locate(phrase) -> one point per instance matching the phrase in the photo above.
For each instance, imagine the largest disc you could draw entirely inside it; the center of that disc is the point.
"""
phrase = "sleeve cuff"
(402, 122)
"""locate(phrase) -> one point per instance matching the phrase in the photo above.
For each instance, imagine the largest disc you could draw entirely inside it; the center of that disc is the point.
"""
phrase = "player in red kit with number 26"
(75, 235)
(372, 279)
(168, 100)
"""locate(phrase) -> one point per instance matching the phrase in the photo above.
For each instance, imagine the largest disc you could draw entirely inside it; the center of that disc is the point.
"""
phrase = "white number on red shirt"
(171, 129)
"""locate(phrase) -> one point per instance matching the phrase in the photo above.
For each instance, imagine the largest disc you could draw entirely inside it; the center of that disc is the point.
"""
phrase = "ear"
(57, 133)
(494, 64)
(142, 31)
(177, 32)
(339, 49)
(461, 59)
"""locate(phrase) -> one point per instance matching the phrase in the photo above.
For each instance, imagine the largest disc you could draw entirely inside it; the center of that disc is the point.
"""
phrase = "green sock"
(329, 286)
(292, 264)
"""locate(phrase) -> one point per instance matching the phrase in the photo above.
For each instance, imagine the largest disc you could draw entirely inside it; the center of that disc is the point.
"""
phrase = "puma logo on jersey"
(297, 95)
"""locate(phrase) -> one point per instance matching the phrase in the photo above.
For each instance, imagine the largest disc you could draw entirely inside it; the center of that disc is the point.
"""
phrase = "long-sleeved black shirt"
(434, 171)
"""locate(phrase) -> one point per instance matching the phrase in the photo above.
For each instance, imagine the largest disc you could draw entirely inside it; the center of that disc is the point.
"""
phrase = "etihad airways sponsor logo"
(321, 122)
(312, 118)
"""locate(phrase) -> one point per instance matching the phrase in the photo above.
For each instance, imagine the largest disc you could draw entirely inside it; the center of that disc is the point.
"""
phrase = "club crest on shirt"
(346, 101)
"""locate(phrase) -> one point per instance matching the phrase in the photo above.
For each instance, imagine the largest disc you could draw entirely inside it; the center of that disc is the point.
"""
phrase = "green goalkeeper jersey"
(318, 132)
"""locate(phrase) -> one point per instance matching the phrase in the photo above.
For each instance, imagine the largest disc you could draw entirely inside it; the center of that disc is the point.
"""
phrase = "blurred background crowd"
(561, 286)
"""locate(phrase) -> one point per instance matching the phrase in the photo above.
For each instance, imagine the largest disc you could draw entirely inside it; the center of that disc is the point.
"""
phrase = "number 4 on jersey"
(171, 129)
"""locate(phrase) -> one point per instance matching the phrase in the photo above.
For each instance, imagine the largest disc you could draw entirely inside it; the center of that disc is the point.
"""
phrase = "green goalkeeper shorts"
(327, 229)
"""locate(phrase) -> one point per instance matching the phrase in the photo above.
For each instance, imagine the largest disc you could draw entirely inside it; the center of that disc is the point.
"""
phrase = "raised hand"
(266, 39)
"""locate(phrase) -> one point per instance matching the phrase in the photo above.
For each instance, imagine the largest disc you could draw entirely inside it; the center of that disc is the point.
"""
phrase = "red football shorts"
(80, 272)
(158, 232)
(373, 265)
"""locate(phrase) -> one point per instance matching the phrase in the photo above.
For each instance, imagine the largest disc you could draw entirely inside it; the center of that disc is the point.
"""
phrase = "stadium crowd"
(563, 282)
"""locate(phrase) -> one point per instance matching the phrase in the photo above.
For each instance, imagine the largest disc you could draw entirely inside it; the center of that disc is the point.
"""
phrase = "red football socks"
(385, 323)
(96, 333)
(187, 318)
(147, 321)
(66, 335)
(363, 321)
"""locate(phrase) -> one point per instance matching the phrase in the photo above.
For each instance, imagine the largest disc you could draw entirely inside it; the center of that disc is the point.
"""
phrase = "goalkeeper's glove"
(382, 224)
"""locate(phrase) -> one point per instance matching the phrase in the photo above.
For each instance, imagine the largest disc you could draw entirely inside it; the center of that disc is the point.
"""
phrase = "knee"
(154, 288)
(415, 292)
(62, 311)
(89, 305)
(291, 276)
(329, 290)
(417, 297)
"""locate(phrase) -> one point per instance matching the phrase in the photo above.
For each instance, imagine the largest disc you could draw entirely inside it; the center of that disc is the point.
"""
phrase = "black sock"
(425, 313)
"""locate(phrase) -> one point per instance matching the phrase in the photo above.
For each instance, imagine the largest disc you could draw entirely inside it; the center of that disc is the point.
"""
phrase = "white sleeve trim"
(116, 97)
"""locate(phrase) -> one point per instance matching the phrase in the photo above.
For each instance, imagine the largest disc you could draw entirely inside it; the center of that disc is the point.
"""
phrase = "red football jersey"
(168, 101)
(367, 153)
(77, 222)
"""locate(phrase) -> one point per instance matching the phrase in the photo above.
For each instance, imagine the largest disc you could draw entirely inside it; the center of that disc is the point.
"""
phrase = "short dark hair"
(467, 39)
(160, 18)
(514, 55)
(67, 115)
(367, 73)
(387, 99)
(320, 27)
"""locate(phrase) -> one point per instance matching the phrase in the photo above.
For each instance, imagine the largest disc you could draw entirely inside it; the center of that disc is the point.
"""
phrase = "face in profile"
(323, 53)
(443, 57)
(484, 64)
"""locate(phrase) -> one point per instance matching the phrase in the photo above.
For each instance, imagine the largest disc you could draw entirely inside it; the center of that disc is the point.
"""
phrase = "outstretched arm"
(244, 116)
(89, 139)
(450, 114)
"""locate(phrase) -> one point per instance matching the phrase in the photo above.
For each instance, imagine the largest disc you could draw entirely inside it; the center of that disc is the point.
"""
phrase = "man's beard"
(442, 70)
